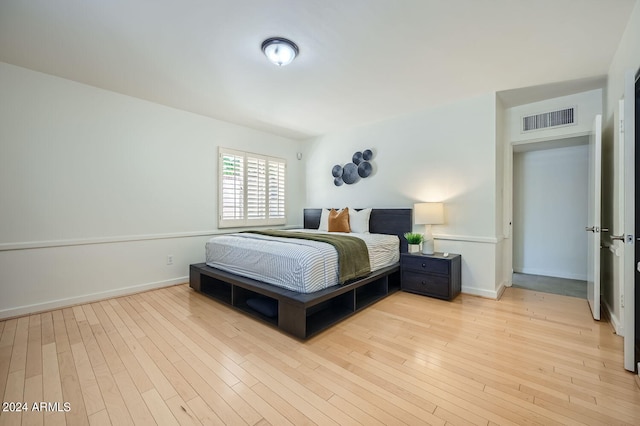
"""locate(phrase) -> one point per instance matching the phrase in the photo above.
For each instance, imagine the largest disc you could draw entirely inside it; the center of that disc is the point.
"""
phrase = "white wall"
(98, 188)
(587, 104)
(627, 58)
(445, 154)
(503, 199)
(550, 212)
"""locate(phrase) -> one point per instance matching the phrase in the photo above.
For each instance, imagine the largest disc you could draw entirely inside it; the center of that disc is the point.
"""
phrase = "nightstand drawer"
(432, 285)
(419, 263)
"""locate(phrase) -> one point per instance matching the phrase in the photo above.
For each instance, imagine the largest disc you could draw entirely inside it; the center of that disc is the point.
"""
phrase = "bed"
(302, 311)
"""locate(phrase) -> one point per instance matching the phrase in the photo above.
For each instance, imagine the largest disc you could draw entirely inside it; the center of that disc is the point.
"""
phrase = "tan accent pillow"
(339, 221)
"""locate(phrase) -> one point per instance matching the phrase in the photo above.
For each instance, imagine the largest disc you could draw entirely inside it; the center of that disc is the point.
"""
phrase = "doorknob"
(590, 228)
(618, 237)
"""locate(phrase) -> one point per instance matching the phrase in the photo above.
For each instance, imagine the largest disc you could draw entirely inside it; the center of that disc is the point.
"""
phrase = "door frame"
(630, 222)
(508, 195)
(594, 220)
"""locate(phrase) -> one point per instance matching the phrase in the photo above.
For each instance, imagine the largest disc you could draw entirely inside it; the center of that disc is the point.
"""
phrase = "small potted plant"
(413, 239)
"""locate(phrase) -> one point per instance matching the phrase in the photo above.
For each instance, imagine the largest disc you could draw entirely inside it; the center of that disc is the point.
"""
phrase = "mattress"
(300, 265)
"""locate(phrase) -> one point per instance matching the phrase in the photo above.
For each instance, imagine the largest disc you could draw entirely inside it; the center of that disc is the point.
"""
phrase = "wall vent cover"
(562, 117)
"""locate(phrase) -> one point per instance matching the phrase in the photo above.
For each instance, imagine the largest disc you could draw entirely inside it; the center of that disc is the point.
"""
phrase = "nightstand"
(431, 274)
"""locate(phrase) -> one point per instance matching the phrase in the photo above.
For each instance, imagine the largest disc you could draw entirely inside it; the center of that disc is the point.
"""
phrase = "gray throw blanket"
(353, 255)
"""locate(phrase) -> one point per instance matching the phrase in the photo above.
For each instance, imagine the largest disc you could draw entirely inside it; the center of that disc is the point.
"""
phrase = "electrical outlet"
(169, 259)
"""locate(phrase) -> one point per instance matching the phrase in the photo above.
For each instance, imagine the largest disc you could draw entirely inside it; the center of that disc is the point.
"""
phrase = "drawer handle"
(424, 265)
(424, 283)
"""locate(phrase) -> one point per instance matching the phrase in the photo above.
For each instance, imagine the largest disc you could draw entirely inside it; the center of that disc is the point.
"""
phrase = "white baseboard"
(614, 320)
(489, 294)
(87, 298)
(501, 288)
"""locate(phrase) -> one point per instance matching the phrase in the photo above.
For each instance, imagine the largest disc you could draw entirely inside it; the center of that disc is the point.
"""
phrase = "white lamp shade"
(428, 213)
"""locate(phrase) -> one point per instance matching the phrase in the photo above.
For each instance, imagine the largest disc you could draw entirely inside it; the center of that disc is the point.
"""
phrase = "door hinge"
(622, 300)
(622, 126)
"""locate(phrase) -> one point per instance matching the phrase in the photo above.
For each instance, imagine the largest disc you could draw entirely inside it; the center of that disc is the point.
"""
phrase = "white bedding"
(300, 265)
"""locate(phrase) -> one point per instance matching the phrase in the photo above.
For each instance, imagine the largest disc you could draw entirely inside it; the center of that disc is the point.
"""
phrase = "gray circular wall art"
(360, 167)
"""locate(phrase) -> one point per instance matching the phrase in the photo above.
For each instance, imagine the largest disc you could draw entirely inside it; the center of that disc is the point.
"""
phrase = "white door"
(617, 231)
(628, 127)
(593, 217)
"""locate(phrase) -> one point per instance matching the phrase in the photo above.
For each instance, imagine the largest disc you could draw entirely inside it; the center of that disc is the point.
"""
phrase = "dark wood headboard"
(382, 221)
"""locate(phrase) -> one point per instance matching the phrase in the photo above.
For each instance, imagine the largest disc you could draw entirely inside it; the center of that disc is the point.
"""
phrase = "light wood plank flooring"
(172, 356)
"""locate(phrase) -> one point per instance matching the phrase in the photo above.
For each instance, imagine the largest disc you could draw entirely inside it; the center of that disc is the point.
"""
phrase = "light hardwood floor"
(172, 356)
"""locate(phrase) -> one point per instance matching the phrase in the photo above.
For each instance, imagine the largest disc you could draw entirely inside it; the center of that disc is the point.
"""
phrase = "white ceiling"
(360, 60)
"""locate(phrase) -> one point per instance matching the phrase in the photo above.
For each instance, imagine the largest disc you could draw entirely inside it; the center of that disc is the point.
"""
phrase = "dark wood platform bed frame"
(306, 314)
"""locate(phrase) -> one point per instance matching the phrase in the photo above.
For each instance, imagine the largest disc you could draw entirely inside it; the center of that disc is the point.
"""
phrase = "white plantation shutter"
(276, 189)
(256, 188)
(251, 189)
(231, 187)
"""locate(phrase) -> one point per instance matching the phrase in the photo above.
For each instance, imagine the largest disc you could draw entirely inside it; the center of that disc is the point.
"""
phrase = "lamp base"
(427, 246)
(427, 243)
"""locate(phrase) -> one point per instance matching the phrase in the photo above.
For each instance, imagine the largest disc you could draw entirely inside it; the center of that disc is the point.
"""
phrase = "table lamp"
(428, 214)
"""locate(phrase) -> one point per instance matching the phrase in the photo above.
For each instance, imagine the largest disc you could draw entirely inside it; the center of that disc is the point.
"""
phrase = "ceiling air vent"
(562, 117)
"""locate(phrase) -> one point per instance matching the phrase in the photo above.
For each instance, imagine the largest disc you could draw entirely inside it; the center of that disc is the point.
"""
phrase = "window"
(251, 189)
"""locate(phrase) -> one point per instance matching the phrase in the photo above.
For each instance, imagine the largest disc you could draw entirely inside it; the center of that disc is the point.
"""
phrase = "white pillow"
(324, 221)
(359, 220)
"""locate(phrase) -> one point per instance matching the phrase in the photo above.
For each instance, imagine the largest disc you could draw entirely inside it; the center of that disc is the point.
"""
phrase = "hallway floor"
(563, 286)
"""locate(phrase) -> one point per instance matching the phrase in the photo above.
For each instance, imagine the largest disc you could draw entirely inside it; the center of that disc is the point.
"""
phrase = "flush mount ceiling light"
(279, 50)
